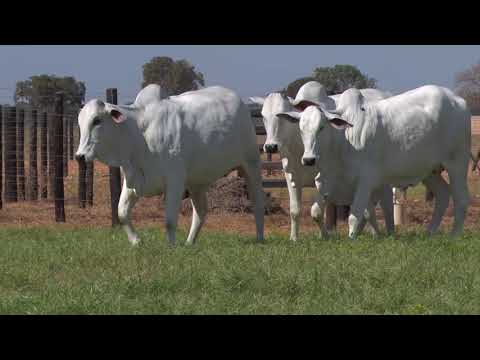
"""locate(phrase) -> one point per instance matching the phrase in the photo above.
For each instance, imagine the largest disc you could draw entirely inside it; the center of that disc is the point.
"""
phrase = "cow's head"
(100, 132)
(316, 128)
(278, 132)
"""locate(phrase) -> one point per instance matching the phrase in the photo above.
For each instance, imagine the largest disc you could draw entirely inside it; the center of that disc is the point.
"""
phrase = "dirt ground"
(150, 211)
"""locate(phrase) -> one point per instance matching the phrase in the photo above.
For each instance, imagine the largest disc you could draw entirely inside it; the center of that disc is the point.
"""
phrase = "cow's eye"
(96, 122)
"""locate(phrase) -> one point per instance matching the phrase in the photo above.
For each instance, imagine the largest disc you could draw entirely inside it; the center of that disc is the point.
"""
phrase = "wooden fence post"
(115, 178)
(43, 156)
(21, 153)
(65, 146)
(330, 216)
(32, 173)
(82, 183)
(1, 158)
(11, 154)
(89, 177)
(51, 154)
(71, 141)
(58, 145)
(342, 212)
(269, 158)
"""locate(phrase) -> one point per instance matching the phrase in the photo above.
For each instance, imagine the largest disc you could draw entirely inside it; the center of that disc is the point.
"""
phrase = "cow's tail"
(475, 160)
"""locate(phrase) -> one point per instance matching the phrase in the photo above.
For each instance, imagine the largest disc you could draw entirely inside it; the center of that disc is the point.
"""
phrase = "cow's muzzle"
(79, 157)
(271, 148)
(308, 161)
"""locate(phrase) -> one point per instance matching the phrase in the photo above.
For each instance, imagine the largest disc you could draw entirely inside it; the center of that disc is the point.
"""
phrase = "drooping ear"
(117, 116)
(302, 105)
(334, 117)
(292, 116)
(257, 100)
(339, 123)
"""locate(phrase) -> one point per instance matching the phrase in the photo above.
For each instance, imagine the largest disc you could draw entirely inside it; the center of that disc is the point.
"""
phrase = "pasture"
(84, 267)
(50, 271)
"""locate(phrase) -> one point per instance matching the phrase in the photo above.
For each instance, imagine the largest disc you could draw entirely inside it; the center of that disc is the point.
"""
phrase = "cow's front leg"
(198, 198)
(317, 212)
(295, 194)
(173, 198)
(127, 201)
(360, 204)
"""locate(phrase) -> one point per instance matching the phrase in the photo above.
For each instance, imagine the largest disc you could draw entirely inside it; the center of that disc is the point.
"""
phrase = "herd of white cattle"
(356, 146)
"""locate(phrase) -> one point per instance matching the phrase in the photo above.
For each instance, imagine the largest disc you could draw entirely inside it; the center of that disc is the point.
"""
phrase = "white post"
(399, 210)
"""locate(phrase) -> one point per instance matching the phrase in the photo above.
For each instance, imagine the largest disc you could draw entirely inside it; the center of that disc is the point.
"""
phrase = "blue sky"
(250, 70)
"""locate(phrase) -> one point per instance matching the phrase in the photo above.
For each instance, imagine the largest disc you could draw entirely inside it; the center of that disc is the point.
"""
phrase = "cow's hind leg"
(198, 197)
(439, 187)
(457, 173)
(127, 201)
(174, 195)
(255, 188)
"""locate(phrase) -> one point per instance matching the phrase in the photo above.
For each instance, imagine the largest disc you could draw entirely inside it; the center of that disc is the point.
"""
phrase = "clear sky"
(250, 70)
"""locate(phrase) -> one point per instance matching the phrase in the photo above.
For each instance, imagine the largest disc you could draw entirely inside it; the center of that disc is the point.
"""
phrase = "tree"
(175, 77)
(339, 78)
(468, 86)
(39, 90)
(295, 85)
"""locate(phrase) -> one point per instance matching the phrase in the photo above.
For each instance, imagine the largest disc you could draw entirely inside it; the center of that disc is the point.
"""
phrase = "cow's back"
(420, 127)
(210, 130)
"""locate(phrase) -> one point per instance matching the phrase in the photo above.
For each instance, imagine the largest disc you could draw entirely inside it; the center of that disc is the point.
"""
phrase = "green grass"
(97, 272)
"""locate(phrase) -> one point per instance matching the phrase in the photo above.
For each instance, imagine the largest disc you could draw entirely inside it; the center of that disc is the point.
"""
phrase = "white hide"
(148, 94)
(287, 137)
(400, 141)
(166, 145)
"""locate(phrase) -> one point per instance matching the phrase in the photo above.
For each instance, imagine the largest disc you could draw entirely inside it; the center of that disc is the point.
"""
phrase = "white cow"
(148, 94)
(400, 141)
(168, 145)
(285, 137)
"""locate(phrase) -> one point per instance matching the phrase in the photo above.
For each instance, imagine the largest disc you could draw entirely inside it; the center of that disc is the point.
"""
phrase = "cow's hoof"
(352, 237)
(134, 241)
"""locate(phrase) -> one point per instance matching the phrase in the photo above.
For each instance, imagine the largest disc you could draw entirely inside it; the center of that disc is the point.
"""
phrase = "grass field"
(51, 271)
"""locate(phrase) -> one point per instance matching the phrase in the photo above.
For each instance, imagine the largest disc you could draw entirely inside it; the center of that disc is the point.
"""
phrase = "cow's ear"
(339, 124)
(292, 116)
(117, 116)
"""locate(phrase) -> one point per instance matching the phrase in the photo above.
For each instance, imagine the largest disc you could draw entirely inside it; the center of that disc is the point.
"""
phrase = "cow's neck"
(135, 161)
(336, 155)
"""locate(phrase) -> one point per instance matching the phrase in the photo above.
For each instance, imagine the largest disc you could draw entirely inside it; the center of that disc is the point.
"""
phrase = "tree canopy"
(468, 86)
(175, 77)
(336, 79)
(39, 90)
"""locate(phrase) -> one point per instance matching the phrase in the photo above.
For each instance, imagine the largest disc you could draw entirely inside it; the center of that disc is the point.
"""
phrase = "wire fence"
(37, 147)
